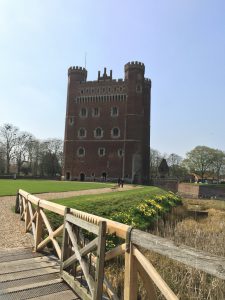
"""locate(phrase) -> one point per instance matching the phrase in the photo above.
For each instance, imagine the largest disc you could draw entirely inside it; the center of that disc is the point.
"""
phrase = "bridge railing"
(83, 264)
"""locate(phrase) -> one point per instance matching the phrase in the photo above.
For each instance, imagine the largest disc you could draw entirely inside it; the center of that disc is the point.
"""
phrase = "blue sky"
(181, 42)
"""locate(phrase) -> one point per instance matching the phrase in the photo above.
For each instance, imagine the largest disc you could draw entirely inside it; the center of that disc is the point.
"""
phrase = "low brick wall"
(169, 185)
(188, 190)
(201, 191)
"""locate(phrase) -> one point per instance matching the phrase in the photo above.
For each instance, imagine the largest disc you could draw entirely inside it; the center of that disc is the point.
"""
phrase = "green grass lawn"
(106, 204)
(9, 186)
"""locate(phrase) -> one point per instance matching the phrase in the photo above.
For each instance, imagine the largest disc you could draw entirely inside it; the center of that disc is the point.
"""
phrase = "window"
(82, 133)
(71, 121)
(101, 152)
(82, 91)
(115, 132)
(114, 111)
(80, 152)
(120, 152)
(95, 112)
(83, 112)
(98, 132)
(138, 88)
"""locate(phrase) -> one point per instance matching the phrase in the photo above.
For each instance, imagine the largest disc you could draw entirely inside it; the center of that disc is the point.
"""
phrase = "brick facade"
(107, 130)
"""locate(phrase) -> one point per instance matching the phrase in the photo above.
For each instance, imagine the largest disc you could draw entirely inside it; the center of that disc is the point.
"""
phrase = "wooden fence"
(83, 264)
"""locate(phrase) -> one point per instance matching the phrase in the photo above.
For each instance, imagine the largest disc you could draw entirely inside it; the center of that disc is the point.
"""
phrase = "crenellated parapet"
(78, 72)
(134, 65)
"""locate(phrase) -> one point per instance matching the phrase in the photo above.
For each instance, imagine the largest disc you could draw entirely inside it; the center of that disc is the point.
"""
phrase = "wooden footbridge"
(78, 267)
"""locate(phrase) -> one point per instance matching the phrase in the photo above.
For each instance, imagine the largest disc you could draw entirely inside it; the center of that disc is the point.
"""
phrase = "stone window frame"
(99, 151)
(93, 112)
(112, 133)
(95, 133)
(120, 152)
(81, 115)
(79, 133)
(81, 154)
(112, 111)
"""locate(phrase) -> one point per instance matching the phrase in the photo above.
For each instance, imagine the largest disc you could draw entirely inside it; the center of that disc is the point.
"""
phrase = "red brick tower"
(107, 128)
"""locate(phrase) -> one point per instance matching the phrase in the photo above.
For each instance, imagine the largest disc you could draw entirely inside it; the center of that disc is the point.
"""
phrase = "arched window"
(82, 132)
(98, 132)
(114, 111)
(81, 152)
(115, 132)
(83, 112)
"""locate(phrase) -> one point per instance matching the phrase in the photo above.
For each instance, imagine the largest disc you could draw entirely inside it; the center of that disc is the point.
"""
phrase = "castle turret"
(77, 74)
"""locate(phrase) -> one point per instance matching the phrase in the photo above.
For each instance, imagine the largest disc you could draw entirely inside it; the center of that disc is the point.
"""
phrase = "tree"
(2, 160)
(199, 160)
(218, 163)
(155, 159)
(8, 135)
(21, 149)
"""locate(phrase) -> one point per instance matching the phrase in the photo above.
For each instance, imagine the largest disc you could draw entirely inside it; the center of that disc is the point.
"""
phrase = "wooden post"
(65, 242)
(39, 229)
(130, 275)
(99, 277)
(17, 206)
(27, 214)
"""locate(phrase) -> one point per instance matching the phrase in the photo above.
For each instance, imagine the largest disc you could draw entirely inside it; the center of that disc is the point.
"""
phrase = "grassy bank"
(104, 204)
(139, 207)
(9, 187)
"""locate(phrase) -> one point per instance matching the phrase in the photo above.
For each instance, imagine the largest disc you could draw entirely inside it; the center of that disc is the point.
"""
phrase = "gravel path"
(12, 229)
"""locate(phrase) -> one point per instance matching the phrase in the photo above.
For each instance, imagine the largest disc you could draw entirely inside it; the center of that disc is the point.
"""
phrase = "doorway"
(82, 176)
(67, 175)
(104, 175)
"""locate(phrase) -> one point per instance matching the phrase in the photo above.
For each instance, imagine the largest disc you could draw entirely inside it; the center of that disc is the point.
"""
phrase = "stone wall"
(201, 191)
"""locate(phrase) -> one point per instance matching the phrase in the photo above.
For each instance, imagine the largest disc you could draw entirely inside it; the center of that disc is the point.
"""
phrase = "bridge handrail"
(135, 261)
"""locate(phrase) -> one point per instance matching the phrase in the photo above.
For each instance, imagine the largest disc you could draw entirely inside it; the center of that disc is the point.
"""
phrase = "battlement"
(77, 70)
(134, 65)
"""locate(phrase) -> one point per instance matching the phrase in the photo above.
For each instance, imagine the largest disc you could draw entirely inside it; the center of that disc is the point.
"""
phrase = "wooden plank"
(75, 285)
(82, 262)
(89, 247)
(28, 273)
(113, 227)
(119, 250)
(25, 267)
(100, 261)
(27, 281)
(148, 284)
(20, 256)
(65, 242)
(54, 207)
(64, 295)
(83, 224)
(200, 260)
(154, 275)
(29, 286)
(130, 276)
(28, 260)
(39, 229)
(35, 292)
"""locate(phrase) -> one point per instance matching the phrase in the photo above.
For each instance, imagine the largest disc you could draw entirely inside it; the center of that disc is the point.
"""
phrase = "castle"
(107, 130)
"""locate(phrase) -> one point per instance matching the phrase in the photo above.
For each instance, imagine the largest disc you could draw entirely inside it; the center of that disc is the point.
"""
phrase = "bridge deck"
(28, 275)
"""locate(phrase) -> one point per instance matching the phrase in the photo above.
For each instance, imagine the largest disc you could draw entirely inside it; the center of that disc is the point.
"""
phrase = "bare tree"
(8, 135)
(21, 154)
